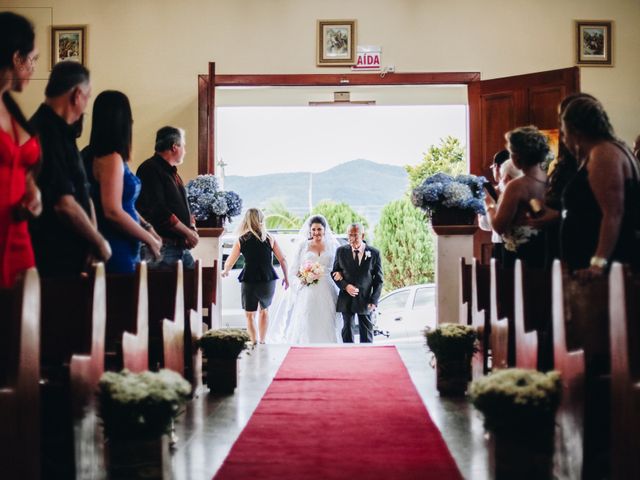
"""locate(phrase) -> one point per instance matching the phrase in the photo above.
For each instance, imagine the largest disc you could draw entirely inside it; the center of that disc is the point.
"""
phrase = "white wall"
(153, 50)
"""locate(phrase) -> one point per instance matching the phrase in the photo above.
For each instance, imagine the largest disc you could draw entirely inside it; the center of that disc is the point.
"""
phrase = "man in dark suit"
(357, 270)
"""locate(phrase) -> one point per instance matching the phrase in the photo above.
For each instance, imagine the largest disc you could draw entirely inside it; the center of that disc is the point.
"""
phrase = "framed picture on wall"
(68, 43)
(336, 43)
(593, 42)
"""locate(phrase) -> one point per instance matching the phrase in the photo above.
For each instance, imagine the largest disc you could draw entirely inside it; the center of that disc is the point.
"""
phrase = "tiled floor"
(211, 424)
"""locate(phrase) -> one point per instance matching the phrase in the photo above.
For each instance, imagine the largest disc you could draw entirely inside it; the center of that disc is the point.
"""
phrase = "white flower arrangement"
(517, 398)
(367, 254)
(517, 236)
(141, 405)
(224, 342)
(452, 341)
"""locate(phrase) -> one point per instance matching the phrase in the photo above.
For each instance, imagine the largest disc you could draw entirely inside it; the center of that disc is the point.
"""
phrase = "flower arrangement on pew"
(519, 408)
(442, 192)
(222, 347)
(137, 411)
(452, 345)
(207, 201)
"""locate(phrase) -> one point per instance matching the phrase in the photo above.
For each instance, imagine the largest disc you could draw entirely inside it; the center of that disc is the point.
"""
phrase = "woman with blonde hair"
(258, 277)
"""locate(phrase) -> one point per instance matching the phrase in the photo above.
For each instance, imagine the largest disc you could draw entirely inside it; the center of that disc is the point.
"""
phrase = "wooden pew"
(570, 363)
(193, 304)
(624, 315)
(166, 319)
(465, 293)
(19, 379)
(526, 337)
(128, 320)
(72, 361)
(502, 316)
(587, 326)
(209, 288)
(481, 315)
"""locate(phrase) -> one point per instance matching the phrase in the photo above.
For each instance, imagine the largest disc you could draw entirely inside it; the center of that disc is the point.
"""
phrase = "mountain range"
(365, 185)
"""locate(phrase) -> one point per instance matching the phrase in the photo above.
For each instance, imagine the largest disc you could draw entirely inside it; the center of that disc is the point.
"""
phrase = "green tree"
(406, 245)
(278, 217)
(448, 157)
(339, 215)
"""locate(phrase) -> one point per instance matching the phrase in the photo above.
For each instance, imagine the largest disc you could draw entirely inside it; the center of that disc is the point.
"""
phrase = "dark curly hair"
(530, 144)
(586, 116)
(318, 219)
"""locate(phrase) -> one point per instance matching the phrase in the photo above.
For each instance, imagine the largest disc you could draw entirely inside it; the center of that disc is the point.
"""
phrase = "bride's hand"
(337, 276)
(285, 283)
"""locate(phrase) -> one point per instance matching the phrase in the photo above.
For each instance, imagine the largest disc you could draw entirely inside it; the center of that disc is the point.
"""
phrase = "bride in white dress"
(307, 314)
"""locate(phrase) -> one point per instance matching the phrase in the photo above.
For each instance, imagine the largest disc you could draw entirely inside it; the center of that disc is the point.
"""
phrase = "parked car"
(406, 312)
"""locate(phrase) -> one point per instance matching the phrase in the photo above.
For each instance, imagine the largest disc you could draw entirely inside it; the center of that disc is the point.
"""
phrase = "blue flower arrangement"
(205, 199)
(465, 192)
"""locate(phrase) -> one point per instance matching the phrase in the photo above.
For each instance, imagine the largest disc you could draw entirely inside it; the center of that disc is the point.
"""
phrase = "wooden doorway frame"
(207, 85)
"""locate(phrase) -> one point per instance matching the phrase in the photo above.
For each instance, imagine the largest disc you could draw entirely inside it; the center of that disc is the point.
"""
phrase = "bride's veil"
(281, 314)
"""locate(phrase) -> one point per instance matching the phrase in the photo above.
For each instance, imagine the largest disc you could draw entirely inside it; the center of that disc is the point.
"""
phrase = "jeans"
(170, 256)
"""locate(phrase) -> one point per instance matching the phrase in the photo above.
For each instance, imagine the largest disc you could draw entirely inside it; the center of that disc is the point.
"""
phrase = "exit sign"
(368, 58)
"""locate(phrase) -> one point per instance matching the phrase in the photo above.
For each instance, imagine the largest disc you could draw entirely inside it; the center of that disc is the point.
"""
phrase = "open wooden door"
(502, 104)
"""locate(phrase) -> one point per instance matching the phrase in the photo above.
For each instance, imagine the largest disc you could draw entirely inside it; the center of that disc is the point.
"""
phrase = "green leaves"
(448, 157)
(339, 215)
(406, 245)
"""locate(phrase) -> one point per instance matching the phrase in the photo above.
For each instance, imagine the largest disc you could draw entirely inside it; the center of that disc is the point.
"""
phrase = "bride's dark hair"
(318, 219)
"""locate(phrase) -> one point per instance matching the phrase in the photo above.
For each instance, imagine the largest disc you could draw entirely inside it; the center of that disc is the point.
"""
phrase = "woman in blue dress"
(114, 188)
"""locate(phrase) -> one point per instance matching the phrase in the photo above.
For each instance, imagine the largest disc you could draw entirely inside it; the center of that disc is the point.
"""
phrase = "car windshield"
(395, 300)
(424, 297)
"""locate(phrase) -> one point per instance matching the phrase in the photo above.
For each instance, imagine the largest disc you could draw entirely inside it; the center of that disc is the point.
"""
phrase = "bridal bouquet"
(310, 273)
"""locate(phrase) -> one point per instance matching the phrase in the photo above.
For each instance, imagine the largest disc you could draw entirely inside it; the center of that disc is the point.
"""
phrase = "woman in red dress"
(19, 149)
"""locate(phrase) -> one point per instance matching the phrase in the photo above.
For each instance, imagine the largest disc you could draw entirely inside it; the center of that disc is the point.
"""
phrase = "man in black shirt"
(65, 237)
(163, 200)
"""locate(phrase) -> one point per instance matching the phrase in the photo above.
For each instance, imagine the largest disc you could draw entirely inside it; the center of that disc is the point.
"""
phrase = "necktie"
(356, 256)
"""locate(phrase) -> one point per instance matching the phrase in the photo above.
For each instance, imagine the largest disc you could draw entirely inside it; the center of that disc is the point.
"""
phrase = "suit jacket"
(367, 277)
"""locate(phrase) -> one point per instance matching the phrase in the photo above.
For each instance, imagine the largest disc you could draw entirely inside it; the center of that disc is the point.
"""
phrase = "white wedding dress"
(307, 313)
(313, 317)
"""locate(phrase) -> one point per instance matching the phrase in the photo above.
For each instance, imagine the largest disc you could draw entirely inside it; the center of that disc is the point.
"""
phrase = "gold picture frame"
(594, 42)
(68, 43)
(336, 43)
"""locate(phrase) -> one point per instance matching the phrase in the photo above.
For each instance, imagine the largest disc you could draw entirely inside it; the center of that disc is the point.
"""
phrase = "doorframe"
(207, 86)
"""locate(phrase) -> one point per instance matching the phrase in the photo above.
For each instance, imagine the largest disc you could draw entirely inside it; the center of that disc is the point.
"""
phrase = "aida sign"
(368, 58)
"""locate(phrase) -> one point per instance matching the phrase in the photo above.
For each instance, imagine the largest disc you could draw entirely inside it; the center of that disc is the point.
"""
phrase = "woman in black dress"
(258, 277)
(599, 209)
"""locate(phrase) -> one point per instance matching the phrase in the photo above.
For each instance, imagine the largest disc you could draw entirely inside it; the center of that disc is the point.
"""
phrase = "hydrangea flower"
(441, 190)
(205, 198)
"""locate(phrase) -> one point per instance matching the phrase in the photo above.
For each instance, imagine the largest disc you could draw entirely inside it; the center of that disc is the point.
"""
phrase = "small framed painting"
(593, 42)
(68, 43)
(336, 43)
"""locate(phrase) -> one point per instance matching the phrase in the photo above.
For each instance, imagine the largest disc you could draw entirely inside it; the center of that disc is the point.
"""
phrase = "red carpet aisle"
(340, 413)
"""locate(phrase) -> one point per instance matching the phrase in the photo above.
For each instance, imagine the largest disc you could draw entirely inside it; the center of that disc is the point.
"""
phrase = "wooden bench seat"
(20, 377)
(624, 316)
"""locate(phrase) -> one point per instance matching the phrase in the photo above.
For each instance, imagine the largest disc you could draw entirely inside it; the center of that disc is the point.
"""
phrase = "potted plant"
(519, 408)
(137, 411)
(450, 200)
(221, 348)
(209, 204)
(452, 345)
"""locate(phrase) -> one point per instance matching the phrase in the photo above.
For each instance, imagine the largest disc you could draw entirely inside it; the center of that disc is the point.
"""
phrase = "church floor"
(211, 424)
